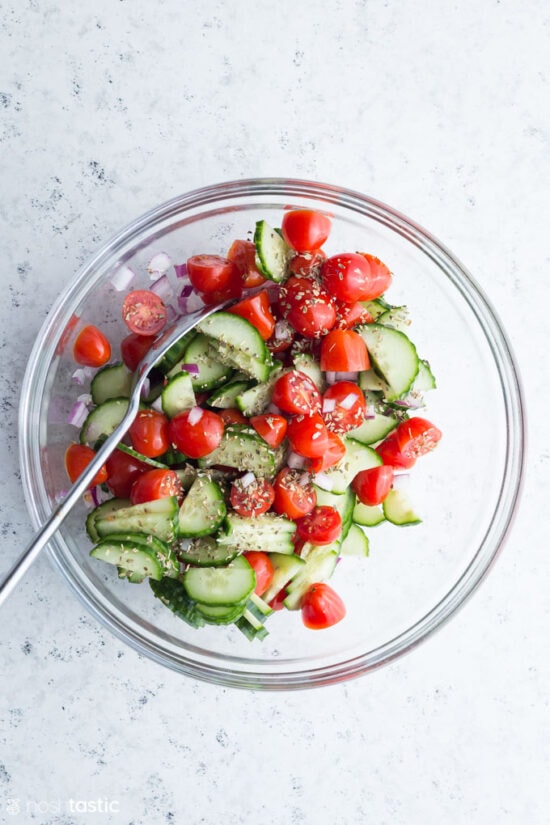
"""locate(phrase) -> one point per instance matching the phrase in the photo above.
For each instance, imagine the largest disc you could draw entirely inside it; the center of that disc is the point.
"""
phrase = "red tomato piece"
(307, 264)
(251, 497)
(243, 255)
(271, 427)
(277, 602)
(294, 493)
(196, 432)
(372, 486)
(77, 458)
(380, 276)
(256, 310)
(351, 277)
(155, 484)
(308, 435)
(332, 455)
(282, 338)
(294, 392)
(144, 312)
(216, 278)
(343, 350)
(135, 347)
(66, 334)
(416, 436)
(123, 470)
(349, 314)
(232, 416)
(305, 230)
(149, 433)
(322, 607)
(344, 407)
(307, 306)
(91, 348)
(389, 452)
(263, 568)
(322, 525)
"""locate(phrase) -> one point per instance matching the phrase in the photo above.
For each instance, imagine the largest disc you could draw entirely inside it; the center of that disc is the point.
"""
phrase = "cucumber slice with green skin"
(267, 533)
(226, 396)
(157, 518)
(251, 627)
(395, 317)
(178, 395)
(272, 252)
(425, 379)
(367, 516)
(172, 593)
(373, 429)
(238, 344)
(258, 606)
(212, 372)
(393, 356)
(158, 465)
(203, 509)
(163, 552)
(221, 614)
(104, 509)
(255, 400)
(357, 457)
(226, 585)
(205, 552)
(186, 475)
(307, 364)
(241, 447)
(376, 307)
(369, 381)
(399, 510)
(111, 381)
(102, 420)
(130, 576)
(138, 559)
(319, 567)
(175, 353)
(285, 567)
(356, 543)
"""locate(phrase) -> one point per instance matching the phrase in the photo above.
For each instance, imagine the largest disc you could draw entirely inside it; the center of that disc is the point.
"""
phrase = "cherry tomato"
(344, 407)
(322, 525)
(308, 435)
(256, 310)
(294, 392)
(322, 607)
(155, 484)
(216, 278)
(334, 452)
(349, 277)
(307, 264)
(77, 458)
(135, 347)
(271, 427)
(349, 314)
(243, 255)
(149, 433)
(389, 452)
(282, 338)
(144, 312)
(305, 230)
(307, 306)
(263, 568)
(91, 348)
(372, 486)
(380, 276)
(196, 432)
(232, 416)
(343, 350)
(253, 498)
(123, 470)
(293, 497)
(416, 437)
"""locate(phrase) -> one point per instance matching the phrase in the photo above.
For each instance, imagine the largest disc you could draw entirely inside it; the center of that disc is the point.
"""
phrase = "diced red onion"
(329, 405)
(85, 398)
(78, 414)
(324, 481)
(60, 496)
(159, 264)
(330, 377)
(99, 495)
(346, 376)
(401, 481)
(295, 461)
(348, 402)
(192, 369)
(181, 270)
(157, 404)
(145, 388)
(186, 291)
(274, 409)
(122, 278)
(247, 479)
(171, 313)
(282, 331)
(304, 480)
(190, 304)
(82, 375)
(195, 415)
(163, 288)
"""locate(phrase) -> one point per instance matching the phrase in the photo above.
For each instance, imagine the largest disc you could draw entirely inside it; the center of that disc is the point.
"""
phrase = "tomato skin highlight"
(294, 392)
(343, 350)
(263, 568)
(305, 230)
(348, 407)
(334, 452)
(271, 427)
(251, 500)
(372, 486)
(123, 470)
(149, 433)
(350, 276)
(144, 312)
(243, 255)
(321, 526)
(155, 484)
(216, 278)
(77, 458)
(292, 498)
(256, 310)
(322, 607)
(198, 437)
(91, 348)
(307, 306)
(308, 435)
(135, 347)
(416, 437)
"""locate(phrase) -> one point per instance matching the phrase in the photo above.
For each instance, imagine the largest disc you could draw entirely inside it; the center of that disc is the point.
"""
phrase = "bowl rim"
(504, 360)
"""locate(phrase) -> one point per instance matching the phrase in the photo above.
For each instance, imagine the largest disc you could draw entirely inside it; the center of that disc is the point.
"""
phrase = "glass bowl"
(415, 578)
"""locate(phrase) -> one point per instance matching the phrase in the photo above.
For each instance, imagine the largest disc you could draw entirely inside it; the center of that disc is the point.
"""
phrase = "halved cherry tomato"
(144, 312)
(91, 348)
(135, 347)
(243, 255)
(307, 264)
(343, 350)
(294, 493)
(322, 525)
(372, 486)
(232, 415)
(123, 470)
(308, 435)
(322, 607)
(380, 276)
(155, 484)
(263, 568)
(389, 452)
(305, 230)
(77, 458)
(349, 314)
(416, 436)
(252, 499)
(294, 392)
(149, 433)
(256, 310)
(216, 278)
(307, 306)
(271, 427)
(332, 455)
(196, 432)
(344, 407)
(350, 277)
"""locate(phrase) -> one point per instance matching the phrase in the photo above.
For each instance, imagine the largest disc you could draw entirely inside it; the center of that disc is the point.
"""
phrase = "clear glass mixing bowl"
(415, 578)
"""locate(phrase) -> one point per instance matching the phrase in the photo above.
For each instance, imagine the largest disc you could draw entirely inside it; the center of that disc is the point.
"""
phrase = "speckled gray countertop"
(443, 111)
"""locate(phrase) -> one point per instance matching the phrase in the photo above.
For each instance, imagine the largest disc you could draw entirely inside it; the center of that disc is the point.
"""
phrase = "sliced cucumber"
(137, 559)
(203, 509)
(393, 356)
(157, 518)
(399, 510)
(272, 252)
(373, 429)
(320, 565)
(205, 552)
(307, 364)
(255, 400)
(425, 379)
(268, 533)
(395, 317)
(226, 396)
(175, 353)
(251, 626)
(221, 613)
(226, 585)
(356, 542)
(212, 373)
(178, 395)
(140, 457)
(163, 552)
(111, 381)
(172, 593)
(367, 516)
(285, 567)
(186, 475)
(102, 420)
(376, 307)
(104, 509)
(369, 381)
(357, 457)
(238, 344)
(241, 447)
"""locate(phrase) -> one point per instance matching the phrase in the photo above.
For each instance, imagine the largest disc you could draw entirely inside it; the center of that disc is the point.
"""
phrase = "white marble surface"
(443, 111)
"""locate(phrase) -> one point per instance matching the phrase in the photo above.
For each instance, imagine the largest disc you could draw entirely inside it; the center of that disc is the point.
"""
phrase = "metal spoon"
(159, 348)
